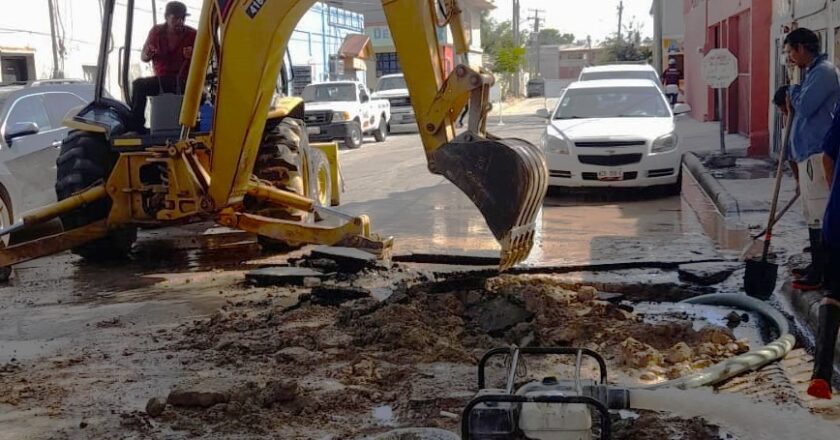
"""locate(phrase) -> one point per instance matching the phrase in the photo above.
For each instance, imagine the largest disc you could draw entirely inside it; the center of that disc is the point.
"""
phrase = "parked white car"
(620, 71)
(394, 89)
(344, 110)
(613, 133)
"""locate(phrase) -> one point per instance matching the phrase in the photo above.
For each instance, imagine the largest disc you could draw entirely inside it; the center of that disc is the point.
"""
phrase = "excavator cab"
(254, 169)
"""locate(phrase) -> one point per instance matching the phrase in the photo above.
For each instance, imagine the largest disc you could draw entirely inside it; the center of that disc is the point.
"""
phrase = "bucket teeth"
(507, 180)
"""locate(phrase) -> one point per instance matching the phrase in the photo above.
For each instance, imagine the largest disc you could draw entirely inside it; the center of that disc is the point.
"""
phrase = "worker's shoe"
(799, 272)
(820, 389)
(813, 278)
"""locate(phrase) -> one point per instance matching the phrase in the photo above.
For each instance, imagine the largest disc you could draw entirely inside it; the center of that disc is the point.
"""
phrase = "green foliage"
(628, 48)
(509, 58)
(495, 35)
(554, 37)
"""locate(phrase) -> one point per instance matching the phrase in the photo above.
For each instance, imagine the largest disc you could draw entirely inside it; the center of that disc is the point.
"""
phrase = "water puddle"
(384, 415)
(729, 233)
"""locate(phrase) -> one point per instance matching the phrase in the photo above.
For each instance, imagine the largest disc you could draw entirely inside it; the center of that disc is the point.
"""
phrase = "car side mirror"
(20, 129)
(365, 98)
(681, 109)
(543, 113)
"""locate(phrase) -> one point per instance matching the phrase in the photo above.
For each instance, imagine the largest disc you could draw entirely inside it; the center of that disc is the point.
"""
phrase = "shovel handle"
(778, 184)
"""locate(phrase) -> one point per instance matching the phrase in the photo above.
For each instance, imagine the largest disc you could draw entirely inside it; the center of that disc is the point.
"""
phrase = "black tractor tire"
(7, 217)
(282, 155)
(86, 159)
(381, 132)
(355, 136)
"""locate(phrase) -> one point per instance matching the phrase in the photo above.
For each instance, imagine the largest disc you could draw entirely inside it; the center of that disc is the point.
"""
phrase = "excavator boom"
(505, 178)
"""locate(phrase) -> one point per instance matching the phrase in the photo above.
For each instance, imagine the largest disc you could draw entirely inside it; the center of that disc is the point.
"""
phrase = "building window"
(387, 63)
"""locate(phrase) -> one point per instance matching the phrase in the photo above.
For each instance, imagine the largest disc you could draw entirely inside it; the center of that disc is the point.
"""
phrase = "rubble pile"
(414, 351)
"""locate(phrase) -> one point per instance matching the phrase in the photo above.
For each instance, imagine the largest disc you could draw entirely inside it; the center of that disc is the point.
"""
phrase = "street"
(84, 347)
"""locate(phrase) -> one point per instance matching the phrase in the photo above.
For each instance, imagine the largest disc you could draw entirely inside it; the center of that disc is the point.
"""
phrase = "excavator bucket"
(506, 179)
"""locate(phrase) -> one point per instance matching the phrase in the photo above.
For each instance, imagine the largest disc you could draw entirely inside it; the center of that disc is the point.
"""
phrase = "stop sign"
(720, 68)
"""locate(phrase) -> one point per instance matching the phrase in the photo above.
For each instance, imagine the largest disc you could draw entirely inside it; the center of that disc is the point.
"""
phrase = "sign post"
(720, 69)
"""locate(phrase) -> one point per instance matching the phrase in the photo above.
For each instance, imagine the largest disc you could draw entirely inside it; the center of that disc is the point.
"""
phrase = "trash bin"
(535, 88)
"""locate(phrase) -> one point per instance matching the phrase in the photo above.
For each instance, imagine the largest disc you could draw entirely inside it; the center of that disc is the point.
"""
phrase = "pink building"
(743, 27)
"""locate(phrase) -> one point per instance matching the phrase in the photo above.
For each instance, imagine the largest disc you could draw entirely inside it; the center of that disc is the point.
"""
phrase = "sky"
(598, 18)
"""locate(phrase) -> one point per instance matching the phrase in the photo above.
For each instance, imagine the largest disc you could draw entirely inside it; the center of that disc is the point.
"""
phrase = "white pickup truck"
(344, 111)
(394, 89)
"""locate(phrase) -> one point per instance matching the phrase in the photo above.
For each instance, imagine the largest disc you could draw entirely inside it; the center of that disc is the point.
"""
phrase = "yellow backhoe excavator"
(258, 173)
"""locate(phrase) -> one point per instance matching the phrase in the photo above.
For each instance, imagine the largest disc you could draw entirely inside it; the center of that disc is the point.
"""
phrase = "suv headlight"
(664, 144)
(554, 144)
(341, 116)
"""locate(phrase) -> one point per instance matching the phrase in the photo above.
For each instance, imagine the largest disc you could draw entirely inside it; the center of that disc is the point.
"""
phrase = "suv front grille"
(318, 118)
(613, 160)
(606, 144)
(400, 102)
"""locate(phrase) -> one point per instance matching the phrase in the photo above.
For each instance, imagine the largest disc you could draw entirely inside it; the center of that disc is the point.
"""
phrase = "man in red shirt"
(169, 47)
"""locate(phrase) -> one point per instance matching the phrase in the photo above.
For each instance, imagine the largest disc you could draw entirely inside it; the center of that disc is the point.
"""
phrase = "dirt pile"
(415, 352)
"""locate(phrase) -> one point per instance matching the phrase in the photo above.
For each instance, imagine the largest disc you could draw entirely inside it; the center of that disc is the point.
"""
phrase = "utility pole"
(536, 36)
(53, 38)
(516, 43)
(620, 16)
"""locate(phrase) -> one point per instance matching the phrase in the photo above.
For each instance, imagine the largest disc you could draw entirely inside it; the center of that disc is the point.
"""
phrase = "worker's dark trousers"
(142, 89)
(829, 320)
(672, 98)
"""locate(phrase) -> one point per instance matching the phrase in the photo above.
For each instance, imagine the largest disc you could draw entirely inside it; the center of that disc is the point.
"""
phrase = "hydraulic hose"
(749, 361)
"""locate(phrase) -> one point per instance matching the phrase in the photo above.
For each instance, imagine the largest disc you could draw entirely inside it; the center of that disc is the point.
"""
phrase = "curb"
(719, 196)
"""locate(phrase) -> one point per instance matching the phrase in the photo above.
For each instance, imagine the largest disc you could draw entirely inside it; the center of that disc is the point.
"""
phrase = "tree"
(494, 35)
(509, 60)
(554, 37)
(626, 48)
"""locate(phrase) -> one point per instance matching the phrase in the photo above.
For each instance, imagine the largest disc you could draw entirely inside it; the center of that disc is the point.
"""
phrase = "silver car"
(31, 130)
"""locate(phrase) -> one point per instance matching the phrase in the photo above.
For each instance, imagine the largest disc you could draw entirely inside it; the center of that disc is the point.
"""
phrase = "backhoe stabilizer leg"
(354, 233)
(52, 244)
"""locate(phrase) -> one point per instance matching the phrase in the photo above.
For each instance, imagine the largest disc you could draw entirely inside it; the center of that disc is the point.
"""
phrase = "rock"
(331, 295)
(154, 407)
(707, 274)
(83, 424)
(733, 319)
(638, 354)
(610, 297)
(587, 293)
(278, 391)
(349, 260)
(648, 376)
(680, 352)
(202, 399)
(563, 336)
(716, 335)
(677, 371)
(325, 265)
(310, 282)
(498, 314)
(272, 276)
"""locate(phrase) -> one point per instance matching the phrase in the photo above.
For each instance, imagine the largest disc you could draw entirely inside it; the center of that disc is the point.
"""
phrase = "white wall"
(673, 21)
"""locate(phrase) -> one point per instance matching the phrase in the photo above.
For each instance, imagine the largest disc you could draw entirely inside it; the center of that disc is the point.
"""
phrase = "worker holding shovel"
(812, 104)
(829, 316)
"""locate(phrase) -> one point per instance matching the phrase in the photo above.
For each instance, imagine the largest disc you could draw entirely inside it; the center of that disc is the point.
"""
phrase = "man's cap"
(672, 61)
(177, 9)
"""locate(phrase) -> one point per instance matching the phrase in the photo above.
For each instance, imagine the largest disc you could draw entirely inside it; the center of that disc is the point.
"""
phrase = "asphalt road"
(389, 181)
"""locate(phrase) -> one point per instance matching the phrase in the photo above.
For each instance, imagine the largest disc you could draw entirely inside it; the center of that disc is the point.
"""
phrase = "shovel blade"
(760, 278)
(506, 179)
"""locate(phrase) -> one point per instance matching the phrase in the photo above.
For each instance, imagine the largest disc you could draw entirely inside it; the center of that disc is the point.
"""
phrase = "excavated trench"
(342, 363)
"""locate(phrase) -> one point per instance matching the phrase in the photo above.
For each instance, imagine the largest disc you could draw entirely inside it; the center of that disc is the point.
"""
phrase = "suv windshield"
(613, 102)
(397, 82)
(329, 92)
(620, 74)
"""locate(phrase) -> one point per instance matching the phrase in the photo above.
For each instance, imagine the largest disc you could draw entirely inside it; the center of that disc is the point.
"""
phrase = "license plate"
(313, 130)
(610, 175)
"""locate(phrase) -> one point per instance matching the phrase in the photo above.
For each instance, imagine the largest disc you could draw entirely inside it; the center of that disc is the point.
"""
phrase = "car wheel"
(85, 159)
(381, 132)
(354, 137)
(6, 220)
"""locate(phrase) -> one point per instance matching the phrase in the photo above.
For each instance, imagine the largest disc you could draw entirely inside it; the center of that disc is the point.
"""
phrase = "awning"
(357, 46)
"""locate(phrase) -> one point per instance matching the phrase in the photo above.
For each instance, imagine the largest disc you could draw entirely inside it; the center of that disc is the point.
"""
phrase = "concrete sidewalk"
(750, 184)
